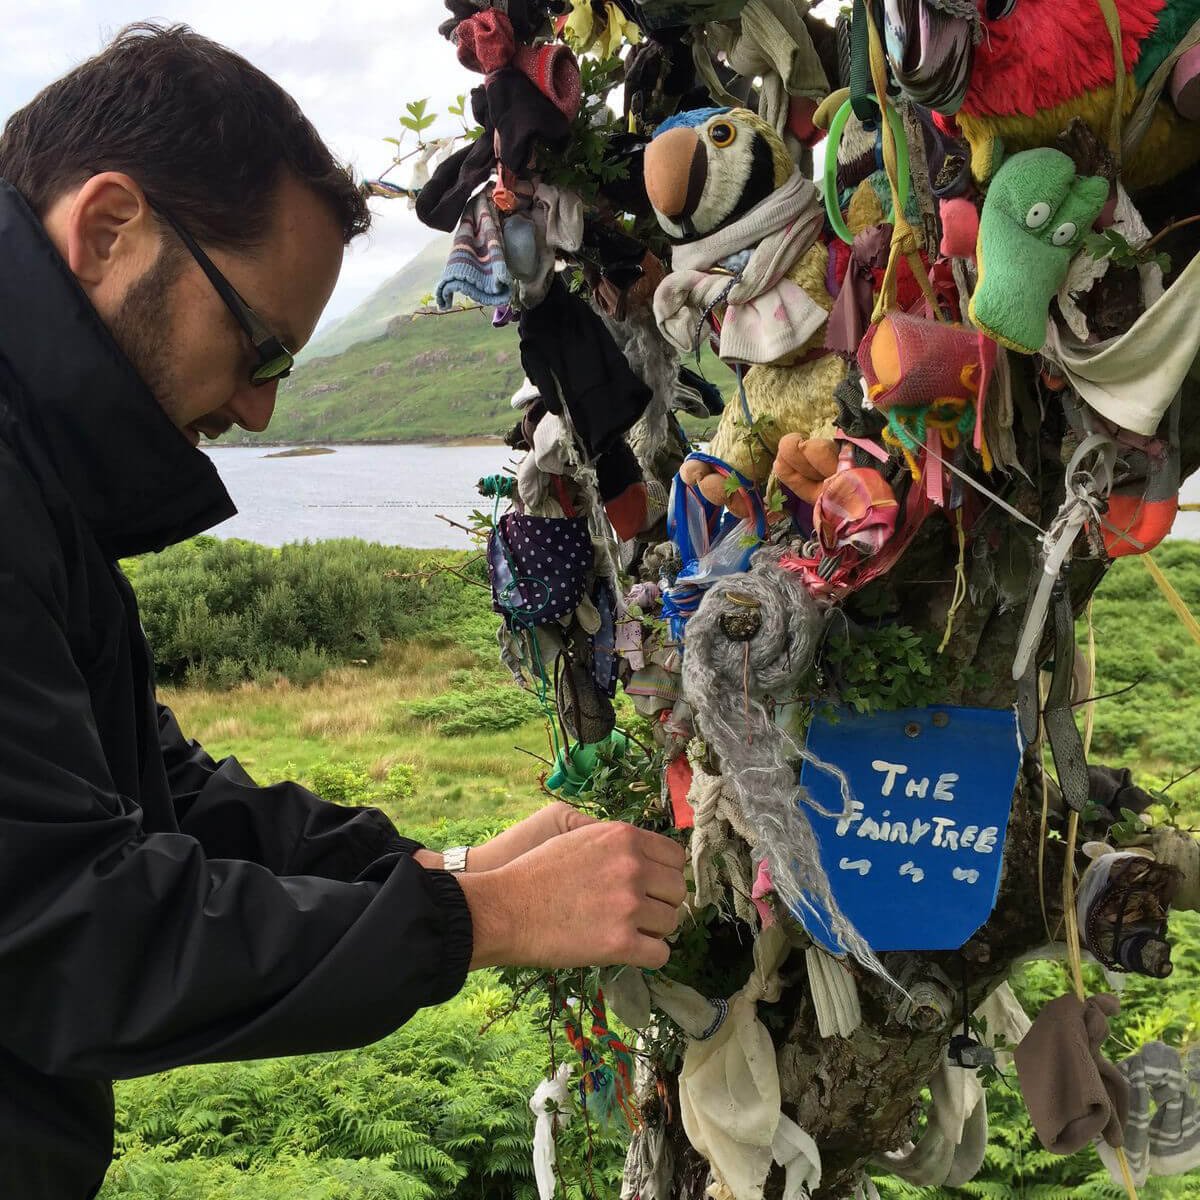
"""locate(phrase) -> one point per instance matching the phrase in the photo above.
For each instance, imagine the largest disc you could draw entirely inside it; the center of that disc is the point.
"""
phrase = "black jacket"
(156, 908)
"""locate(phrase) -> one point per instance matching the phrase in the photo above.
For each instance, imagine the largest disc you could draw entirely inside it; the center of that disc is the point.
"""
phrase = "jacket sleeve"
(284, 827)
(123, 952)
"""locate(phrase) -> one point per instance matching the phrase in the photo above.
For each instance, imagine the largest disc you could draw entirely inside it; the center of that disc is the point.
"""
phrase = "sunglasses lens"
(277, 367)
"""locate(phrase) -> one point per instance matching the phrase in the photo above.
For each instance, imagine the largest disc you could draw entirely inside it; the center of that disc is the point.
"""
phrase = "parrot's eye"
(997, 10)
(722, 134)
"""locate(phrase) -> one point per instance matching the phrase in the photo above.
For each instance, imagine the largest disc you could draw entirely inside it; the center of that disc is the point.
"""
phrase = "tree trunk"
(860, 1096)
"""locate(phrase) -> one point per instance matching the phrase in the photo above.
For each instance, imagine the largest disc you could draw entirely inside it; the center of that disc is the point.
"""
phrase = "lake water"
(389, 494)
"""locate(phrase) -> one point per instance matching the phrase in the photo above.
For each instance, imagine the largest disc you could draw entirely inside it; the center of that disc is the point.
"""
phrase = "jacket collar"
(135, 479)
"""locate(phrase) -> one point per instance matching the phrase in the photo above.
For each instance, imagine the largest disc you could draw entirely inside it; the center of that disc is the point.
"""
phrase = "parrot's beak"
(676, 171)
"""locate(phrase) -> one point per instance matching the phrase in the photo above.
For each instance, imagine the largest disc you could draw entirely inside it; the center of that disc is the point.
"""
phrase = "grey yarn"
(728, 683)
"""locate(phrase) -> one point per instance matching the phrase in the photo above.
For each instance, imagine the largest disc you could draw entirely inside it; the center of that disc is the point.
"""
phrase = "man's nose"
(252, 407)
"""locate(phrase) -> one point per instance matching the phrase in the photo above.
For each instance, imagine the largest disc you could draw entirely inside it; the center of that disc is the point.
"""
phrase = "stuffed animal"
(750, 268)
(1034, 219)
(1016, 72)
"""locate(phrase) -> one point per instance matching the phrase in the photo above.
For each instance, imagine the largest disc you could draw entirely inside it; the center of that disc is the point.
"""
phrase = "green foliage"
(419, 117)
(484, 709)
(437, 1110)
(881, 668)
(585, 163)
(1111, 244)
(350, 783)
(1145, 653)
(220, 612)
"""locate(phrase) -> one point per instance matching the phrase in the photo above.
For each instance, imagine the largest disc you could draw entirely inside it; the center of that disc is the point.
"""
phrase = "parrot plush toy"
(1013, 73)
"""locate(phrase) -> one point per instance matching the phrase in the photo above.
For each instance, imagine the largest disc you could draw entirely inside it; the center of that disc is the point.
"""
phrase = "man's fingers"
(649, 952)
(665, 884)
(662, 850)
(656, 918)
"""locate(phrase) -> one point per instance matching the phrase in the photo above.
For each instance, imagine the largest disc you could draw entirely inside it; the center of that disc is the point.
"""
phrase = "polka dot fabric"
(557, 552)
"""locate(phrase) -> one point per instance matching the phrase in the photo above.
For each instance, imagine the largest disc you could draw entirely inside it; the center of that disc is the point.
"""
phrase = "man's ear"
(105, 231)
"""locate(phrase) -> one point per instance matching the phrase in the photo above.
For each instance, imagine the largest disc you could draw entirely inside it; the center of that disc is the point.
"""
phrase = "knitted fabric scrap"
(768, 316)
(476, 267)
(1072, 1091)
(719, 847)
(1167, 1141)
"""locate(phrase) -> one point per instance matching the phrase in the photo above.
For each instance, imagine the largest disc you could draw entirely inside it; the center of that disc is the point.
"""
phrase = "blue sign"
(915, 863)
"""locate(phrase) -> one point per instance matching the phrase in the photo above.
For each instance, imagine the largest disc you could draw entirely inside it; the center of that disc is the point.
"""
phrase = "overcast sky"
(351, 66)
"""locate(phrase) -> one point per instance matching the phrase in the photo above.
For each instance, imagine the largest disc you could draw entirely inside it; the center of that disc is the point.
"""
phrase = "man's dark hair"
(207, 136)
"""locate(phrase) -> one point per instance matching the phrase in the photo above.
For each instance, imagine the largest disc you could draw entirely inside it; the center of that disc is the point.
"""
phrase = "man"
(170, 229)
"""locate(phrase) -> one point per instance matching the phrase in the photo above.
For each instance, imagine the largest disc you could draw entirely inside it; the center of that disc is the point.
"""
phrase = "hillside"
(401, 293)
(381, 374)
(426, 379)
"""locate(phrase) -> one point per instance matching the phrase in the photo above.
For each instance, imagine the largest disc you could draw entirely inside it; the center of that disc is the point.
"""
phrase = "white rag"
(1133, 379)
(768, 316)
(729, 1097)
(549, 1102)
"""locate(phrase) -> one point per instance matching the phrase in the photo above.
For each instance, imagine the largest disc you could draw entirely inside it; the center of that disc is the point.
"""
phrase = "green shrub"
(485, 709)
(343, 782)
(348, 782)
(220, 612)
(400, 783)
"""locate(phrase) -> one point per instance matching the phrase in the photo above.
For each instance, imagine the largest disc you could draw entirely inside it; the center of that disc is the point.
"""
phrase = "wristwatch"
(455, 859)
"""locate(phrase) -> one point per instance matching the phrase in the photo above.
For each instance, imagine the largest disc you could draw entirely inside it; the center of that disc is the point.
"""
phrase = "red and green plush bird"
(1013, 73)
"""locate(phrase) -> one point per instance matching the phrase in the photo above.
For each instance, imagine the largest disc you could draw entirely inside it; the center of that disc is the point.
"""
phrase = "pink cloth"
(960, 227)
(554, 71)
(763, 887)
(1185, 84)
(485, 41)
(629, 629)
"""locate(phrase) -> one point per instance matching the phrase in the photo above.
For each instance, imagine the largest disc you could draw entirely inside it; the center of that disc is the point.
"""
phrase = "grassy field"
(372, 718)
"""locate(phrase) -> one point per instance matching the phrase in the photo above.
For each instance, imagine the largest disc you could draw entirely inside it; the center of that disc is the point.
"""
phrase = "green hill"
(382, 374)
(402, 293)
(428, 378)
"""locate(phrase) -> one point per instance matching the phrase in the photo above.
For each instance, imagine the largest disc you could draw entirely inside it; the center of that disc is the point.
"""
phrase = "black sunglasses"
(275, 360)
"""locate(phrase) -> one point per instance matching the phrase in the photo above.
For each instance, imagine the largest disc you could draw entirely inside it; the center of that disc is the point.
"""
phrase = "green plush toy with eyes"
(1035, 217)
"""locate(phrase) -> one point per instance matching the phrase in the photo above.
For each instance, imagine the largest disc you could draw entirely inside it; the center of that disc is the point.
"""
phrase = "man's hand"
(550, 822)
(599, 895)
(526, 835)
